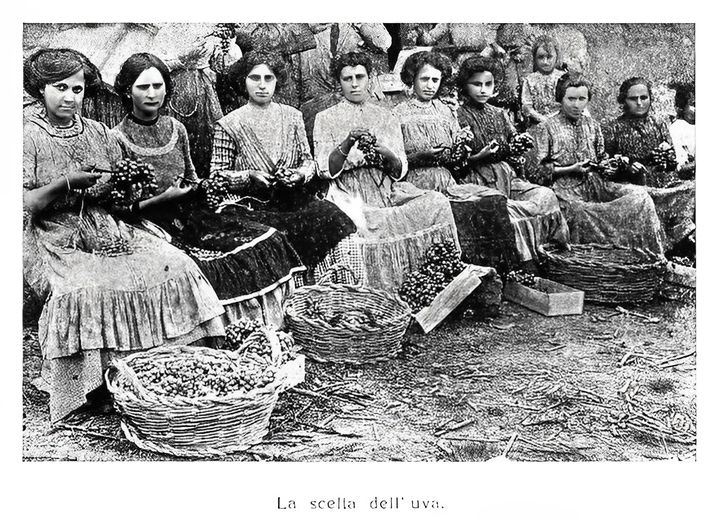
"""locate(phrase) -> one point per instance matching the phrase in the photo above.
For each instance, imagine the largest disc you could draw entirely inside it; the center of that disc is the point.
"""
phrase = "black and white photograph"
(445, 248)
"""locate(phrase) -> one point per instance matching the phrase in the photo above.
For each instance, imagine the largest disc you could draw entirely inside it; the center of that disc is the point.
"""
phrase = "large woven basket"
(345, 342)
(606, 273)
(191, 427)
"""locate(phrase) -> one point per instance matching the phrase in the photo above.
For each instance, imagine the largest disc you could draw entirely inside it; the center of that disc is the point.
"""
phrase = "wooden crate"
(451, 296)
(549, 299)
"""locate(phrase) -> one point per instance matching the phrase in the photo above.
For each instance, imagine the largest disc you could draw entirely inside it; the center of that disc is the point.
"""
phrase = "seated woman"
(534, 210)
(359, 149)
(430, 128)
(249, 265)
(597, 211)
(263, 148)
(639, 135)
(109, 287)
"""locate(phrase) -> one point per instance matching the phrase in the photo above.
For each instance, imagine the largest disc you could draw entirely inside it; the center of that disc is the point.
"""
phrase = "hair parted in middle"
(239, 71)
(418, 60)
(572, 80)
(131, 70)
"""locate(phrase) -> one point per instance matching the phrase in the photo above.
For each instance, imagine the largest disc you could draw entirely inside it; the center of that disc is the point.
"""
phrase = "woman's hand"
(175, 191)
(638, 168)
(581, 168)
(355, 134)
(426, 156)
(262, 178)
(487, 151)
(83, 179)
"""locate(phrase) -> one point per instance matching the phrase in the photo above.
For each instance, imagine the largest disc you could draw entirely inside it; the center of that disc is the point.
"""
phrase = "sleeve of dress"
(324, 141)
(308, 166)
(610, 138)
(681, 151)
(509, 130)
(528, 106)
(599, 141)
(224, 151)
(190, 173)
(393, 137)
(543, 167)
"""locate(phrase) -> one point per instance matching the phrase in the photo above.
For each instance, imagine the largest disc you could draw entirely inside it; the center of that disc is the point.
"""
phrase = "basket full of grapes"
(334, 322)
(132, 181)
(195, 401)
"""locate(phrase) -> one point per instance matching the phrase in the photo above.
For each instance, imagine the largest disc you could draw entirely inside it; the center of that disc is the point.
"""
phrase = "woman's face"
(260, 84)
(63, 99)
(574, 101)
(148, 94)
(354, 83)
(545, 60)
(480, 87)
(637, 101)
(427, 82)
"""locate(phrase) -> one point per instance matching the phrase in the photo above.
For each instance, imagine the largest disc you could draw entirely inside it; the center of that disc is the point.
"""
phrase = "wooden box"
(451, 296)
(549, 298)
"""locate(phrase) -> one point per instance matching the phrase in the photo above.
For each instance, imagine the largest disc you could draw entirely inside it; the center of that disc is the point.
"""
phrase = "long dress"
(484, 229)
(636, 138)
(109, 287)
(597, 210)
(534, 210)
(249, 265)
(267, 140)
(397, 222)
(538, 93)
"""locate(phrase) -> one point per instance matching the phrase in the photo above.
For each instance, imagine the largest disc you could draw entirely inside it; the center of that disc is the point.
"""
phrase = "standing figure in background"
(644, 138)
(109, 287)
(514, 57)
(682, 130)
(534, 210)
(538, 88)
(571, 157)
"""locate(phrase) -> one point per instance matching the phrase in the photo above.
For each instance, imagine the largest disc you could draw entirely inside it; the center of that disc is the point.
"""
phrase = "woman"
(534, 210)
(430, 129)
(568, 144)
(359, 148)
(249, 265)
(109, 287)
(638, 134)
(262, 146)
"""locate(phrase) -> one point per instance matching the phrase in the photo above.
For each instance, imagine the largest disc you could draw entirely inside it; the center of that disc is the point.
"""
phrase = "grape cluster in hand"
(367, 144)
(216, 189)
(442, 264)
(663, 157)
(456, 156)
(132, 181)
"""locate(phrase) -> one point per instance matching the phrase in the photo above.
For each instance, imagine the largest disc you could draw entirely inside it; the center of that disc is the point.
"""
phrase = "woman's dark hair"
(684, 93)
(131, 70)
(546, 42)
(628, 84)
(418, 60)
(47, 66)
(474, 66)
(239, 71)
(571, 80)
(350, 59)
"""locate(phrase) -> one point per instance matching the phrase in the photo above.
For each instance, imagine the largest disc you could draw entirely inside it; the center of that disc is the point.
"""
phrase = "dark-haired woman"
(429, 129)
(637, 134)
(263, 147)
(108, 287)
(597, 210)
(249, 265)
(400, 220)
(534, 210)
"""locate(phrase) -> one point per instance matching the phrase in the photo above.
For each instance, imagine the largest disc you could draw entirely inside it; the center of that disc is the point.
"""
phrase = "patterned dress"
(397, 222)
(249, 265)
(109, 287)
(534, 210)
(597, 210)
(538, 94)
(267, 140)
(636, 138)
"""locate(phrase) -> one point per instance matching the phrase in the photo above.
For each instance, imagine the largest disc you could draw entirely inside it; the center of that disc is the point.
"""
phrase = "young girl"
(535, 212)
(682, 130)
(538, 88)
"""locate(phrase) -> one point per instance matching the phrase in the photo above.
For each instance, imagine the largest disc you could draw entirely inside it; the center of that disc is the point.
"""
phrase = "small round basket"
(191, 427)
(606, 273)
(342, 323)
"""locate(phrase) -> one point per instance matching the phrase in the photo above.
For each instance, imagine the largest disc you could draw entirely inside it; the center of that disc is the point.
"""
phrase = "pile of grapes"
(663, 157)
(193, 376)
(131, 181)
(250, 337)
(216, 189)
(522, 277)
(367, 144)
(442, 264)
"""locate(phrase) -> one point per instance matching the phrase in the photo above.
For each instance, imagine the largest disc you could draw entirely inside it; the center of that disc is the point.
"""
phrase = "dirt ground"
(607, 385)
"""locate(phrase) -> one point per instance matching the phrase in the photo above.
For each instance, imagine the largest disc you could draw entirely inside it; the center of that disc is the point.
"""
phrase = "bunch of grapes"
(456, 157)
(522, 277)
(663, 157)
(282, 176)
(442, 264)
(367, 144)
(216, 189)
(191, 376)
(225, 32)
(237, 332)
(519, 143)
(249, 336)
(131, 181)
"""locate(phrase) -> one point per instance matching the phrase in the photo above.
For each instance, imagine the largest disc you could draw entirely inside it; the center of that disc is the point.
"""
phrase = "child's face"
(545, 60)
(480, 87)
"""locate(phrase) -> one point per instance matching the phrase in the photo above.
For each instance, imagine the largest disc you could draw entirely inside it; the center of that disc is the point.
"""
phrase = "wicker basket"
(606, 273)
(193, 427)
(346, 342)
